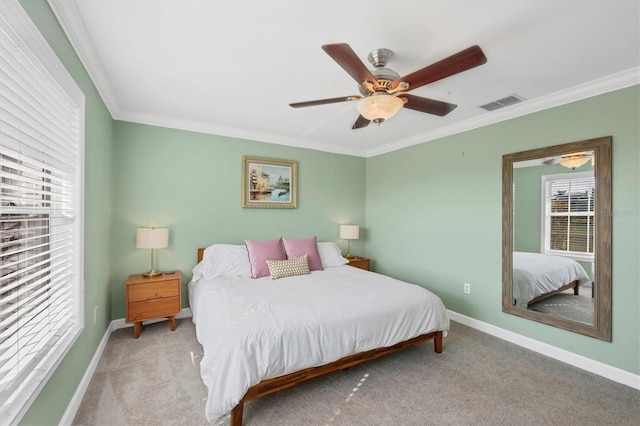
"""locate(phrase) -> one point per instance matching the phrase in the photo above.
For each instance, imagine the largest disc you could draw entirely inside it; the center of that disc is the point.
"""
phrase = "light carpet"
(477, 380)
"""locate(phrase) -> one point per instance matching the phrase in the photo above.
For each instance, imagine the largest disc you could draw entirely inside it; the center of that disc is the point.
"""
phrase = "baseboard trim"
(584, 363)
(74, 404)
(76, 400)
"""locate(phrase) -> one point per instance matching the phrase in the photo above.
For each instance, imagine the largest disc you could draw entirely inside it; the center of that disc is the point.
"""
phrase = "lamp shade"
(380, 107)
(349, 232)
(152, 238)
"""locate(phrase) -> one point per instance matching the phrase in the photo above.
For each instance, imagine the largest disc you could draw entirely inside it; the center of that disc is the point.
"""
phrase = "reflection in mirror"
(557, 236)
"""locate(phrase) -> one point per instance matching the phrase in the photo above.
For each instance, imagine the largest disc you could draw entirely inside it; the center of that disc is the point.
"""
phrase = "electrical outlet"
(467, 288)
(95, 314)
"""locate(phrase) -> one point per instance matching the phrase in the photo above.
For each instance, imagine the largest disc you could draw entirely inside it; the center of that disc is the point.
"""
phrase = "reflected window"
(568, 204)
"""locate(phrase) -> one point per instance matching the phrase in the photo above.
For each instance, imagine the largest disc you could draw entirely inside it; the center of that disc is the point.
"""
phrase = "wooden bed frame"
(269, 386)
(574, 284)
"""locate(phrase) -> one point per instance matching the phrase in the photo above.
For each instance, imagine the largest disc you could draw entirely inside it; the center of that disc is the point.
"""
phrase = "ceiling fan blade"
(325, 101)
(361, 122)
(349, 61)
(430, 106)
(454, 64)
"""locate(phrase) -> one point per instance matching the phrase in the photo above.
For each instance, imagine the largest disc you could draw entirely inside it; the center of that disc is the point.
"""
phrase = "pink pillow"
(302, 246)
(260, 252)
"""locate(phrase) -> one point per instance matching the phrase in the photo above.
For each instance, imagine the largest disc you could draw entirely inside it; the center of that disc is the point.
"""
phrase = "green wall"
(51, 403)
(191, 183)
(440, 222)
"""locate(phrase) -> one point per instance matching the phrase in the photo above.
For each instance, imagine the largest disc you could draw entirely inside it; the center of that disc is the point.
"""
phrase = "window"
(41, 207)
(568, 203)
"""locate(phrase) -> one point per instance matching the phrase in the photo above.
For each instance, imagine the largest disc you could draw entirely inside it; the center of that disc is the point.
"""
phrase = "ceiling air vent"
(501, 103)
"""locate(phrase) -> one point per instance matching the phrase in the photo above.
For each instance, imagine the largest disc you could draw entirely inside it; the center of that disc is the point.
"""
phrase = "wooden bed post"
(236, 414)
(437, 342)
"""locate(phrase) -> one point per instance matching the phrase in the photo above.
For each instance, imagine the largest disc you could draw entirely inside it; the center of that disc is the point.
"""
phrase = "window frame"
(545, 234)
(16, 22)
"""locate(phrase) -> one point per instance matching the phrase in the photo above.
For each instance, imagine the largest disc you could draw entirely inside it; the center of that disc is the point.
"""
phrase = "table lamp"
(152, 238)
(349, 232)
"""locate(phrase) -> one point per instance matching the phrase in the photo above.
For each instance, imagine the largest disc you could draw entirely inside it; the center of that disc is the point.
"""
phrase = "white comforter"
(535, 274)
(256, 329)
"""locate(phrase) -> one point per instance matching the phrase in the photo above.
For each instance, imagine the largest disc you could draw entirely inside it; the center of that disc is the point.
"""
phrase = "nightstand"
(359, 262)
(153, 297)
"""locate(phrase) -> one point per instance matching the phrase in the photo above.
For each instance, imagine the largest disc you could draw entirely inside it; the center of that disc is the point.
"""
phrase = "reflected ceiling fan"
(384, 91)
(572, 160)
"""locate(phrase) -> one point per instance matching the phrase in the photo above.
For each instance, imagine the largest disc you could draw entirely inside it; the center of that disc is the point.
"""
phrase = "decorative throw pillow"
(302, 246)
(288, 268)
(260, 251)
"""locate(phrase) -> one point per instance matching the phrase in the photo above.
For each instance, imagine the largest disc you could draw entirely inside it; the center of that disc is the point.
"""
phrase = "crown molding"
(621, 80)
(68, 16)
(232, 132)
(590, 89)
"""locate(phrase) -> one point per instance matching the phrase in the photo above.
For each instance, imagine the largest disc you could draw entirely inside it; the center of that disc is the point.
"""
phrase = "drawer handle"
(154, 299)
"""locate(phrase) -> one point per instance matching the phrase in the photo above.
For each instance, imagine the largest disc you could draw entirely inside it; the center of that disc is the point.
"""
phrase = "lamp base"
(152, 273)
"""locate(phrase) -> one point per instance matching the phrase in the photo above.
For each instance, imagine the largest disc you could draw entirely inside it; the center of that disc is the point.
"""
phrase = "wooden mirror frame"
(602, 311)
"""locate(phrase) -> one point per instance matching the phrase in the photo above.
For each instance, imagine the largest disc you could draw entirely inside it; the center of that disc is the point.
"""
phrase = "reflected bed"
(537, 276)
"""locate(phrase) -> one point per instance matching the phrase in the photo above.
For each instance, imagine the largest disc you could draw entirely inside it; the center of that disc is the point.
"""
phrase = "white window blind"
(41, 158)
(569, 205)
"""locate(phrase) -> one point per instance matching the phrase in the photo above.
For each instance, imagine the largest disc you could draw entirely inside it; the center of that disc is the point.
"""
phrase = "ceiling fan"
(384, 91)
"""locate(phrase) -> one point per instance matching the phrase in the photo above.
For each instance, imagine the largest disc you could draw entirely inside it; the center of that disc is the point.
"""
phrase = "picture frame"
(269, 183)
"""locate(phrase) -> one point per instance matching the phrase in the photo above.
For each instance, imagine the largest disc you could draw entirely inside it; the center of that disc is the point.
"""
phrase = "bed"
(538, 276)
(262, 335)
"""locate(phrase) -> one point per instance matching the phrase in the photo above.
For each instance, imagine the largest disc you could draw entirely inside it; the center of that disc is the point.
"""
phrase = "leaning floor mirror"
(556, 236)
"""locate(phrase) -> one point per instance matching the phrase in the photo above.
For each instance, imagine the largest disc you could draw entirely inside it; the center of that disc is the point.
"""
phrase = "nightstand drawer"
(153, 290)
(153, 307)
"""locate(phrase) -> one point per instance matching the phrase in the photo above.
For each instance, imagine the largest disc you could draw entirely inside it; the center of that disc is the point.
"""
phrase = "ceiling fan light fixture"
(573, 161)
(380, 107)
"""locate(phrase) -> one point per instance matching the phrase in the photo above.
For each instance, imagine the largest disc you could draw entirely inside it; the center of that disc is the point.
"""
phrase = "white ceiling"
(232, 67)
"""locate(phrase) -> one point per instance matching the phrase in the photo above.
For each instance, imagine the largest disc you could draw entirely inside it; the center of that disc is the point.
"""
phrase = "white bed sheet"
(535, 274)
(256, 329)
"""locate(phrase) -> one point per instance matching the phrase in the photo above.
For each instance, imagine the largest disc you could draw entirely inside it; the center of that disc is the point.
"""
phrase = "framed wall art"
(269, 183)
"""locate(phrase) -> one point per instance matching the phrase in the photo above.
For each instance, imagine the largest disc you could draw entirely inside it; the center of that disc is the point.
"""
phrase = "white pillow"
(331, 255)
(223, 260)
